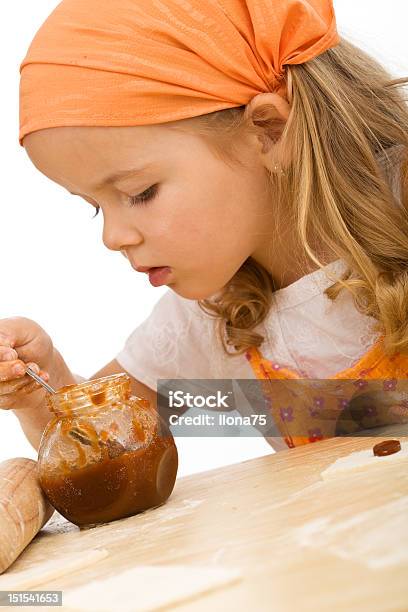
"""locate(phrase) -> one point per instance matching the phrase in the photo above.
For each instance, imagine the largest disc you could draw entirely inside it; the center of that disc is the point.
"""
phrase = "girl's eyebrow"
(117, 176)
(122, 174)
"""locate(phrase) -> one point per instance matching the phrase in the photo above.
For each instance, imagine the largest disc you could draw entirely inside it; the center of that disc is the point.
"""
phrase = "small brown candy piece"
(388, 447)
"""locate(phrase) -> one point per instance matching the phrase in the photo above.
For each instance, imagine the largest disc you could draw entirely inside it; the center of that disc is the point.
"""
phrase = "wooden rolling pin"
(23, 508)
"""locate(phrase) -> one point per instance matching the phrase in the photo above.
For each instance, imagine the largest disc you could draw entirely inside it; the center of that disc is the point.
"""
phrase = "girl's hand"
(22, 343)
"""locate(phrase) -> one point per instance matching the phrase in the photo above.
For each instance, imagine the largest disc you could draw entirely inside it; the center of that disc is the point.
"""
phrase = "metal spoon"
(39, 380)
(74, 432)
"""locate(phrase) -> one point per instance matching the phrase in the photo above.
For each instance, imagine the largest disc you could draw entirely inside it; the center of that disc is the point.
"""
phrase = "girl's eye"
(98, 208)
(144, 197)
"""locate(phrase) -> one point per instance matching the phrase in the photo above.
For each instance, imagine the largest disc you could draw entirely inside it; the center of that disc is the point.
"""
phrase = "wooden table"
(302, 543)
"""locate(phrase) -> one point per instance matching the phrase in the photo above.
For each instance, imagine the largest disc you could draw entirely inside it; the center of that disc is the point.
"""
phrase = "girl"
(250, 159)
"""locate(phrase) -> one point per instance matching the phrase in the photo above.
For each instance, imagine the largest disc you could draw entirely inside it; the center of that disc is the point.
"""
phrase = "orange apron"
(307, 410)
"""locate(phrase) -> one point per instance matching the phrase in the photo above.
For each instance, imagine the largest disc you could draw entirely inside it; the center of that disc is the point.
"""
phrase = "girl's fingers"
(7, 401)
(6, 339)
(16, 386)
(12, 370)
(8, 354)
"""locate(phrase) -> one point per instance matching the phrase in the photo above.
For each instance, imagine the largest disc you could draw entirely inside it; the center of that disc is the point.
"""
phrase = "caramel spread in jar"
(105, 454)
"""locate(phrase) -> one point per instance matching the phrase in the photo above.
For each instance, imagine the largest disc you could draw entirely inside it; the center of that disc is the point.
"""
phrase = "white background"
(54, 267)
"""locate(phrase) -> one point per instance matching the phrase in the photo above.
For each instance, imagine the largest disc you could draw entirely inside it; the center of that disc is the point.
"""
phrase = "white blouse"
(304, 330)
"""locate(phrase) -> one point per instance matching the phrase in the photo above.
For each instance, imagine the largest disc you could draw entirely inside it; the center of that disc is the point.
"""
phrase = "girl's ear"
(271, 111)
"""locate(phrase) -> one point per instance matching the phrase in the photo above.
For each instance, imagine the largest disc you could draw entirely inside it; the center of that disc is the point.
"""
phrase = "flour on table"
(148, 587)
(361, 461)
(50, 570)
(367, 537)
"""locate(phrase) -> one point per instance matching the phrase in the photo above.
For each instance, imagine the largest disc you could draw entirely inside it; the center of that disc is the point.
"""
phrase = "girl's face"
(166, 199)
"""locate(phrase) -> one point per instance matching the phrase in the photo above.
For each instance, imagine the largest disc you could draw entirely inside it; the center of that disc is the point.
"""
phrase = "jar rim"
(93, 384)
(87, 394)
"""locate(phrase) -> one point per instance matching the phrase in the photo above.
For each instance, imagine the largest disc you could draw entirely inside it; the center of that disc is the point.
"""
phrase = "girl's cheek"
(174, 216)
(160, 227)
(166, 223)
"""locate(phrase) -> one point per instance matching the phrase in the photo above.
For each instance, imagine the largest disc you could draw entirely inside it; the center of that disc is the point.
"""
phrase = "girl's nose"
(118, 233)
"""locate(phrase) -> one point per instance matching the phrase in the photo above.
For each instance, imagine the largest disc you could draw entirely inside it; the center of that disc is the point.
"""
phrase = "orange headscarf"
(141, 62)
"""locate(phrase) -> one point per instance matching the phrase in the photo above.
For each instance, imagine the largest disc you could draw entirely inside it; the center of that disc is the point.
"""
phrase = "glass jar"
(105, 454)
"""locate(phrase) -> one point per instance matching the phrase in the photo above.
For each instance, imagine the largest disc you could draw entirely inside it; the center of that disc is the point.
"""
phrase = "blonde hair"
(346, 111)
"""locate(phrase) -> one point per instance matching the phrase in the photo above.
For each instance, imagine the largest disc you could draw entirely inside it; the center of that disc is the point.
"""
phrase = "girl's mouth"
(159, 276)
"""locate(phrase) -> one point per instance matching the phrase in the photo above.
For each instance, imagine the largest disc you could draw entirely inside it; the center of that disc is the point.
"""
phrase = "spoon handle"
(39, 380)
